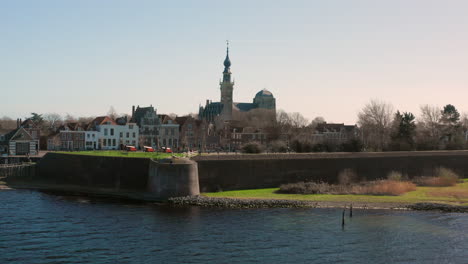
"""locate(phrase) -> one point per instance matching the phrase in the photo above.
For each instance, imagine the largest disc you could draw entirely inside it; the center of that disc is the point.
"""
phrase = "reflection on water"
(43, 228)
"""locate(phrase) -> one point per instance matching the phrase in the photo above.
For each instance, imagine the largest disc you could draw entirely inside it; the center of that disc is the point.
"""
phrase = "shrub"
(301, 146)
(279, 146)
(381, 187)
(388, 187)
(353, 145)
(394, 176)
(347, 176)
(252, 147)
(443, 177)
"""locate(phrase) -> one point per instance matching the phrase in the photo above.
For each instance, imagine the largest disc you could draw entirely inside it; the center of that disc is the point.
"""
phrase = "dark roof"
(140, 112)
(19, 133)
(264, 93)
(332, 127)
(245, 107)
(5, 131)
(181, 120)
(100, 120)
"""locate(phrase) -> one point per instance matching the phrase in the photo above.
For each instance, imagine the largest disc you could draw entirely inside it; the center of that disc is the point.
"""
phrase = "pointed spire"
(227, 61)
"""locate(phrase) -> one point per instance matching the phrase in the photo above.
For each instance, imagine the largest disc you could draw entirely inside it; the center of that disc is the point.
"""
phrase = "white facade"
(91, 140)
(169, 135)
(111, 137)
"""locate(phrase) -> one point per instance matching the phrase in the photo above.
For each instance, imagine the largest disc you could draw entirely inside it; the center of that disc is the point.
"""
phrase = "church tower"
(227, 87)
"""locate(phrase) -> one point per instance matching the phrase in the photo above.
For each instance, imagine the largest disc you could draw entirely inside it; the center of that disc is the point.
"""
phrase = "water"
(42, 228)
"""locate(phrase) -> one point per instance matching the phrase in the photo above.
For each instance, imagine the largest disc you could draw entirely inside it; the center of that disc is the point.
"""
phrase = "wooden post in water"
(351, 211)
(342, 219)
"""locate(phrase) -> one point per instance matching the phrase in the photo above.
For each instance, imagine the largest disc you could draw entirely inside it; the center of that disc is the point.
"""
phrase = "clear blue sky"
(320, 58)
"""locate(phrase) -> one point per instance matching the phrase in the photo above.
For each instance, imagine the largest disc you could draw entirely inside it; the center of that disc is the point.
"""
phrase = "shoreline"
(233, 203)
(246, 203)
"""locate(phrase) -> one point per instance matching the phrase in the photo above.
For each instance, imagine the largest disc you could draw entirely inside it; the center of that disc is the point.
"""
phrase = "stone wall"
(172, 178)
(94, 171)
(234, 172)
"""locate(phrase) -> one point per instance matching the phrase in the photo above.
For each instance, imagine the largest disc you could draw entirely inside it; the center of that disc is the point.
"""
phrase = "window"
(172, 131)
(134, 134)
(121, 134)
(105, 131)
(88, 135)
(170, 142)
(109, 142)
(128, 134)
(104, 142)
(94, 135)
(112, 131)
(113, 142)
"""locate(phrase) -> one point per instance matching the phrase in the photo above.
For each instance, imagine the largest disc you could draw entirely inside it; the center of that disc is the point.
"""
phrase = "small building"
(110, 136)
(18, 142)
(148, 122)
(69, 137)
(335, 133)
(168, 135)
(192, 133)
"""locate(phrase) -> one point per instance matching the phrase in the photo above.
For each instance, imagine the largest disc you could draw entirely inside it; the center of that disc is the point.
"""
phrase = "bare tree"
(429, 130)
(7, 123)
(69, 118)
(316, 121)
(52, 120)
(375, 121)
(298, 120)
(112, 113)
(172, 115)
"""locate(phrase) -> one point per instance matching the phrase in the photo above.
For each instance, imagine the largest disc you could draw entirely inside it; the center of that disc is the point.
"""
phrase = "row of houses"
(147, 128)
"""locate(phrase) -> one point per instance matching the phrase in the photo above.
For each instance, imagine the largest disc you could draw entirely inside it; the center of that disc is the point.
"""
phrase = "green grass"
(126, 154)
(452, 195)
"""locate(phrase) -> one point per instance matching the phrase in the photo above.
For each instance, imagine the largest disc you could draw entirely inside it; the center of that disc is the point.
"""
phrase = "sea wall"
(94, 171)
(172, 178)
(235, 172)
(138, 178)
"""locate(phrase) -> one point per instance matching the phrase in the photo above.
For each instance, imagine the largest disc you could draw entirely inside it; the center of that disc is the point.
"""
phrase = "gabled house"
(168, 135)
(104, 133)
(192, 133)
(18, 142)
(69, 136)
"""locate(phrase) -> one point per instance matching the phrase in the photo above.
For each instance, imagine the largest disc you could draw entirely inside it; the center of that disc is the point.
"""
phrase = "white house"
(110, 135)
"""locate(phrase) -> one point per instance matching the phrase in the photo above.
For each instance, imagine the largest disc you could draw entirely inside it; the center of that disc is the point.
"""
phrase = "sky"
(319, 58)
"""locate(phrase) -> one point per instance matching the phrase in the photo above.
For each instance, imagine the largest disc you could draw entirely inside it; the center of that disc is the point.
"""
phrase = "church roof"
(264, 93)
(244, 107)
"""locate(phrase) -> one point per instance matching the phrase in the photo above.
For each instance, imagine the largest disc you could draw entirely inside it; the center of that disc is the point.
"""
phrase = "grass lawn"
(120, 153)
(451, 195)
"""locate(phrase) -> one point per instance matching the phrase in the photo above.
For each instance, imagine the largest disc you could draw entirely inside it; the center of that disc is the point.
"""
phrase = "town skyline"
(324, 60)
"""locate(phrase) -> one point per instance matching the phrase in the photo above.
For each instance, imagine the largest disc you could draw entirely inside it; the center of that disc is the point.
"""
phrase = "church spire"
(227, 65)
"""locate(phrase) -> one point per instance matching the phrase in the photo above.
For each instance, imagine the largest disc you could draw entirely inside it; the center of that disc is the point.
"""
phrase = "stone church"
(263, 105)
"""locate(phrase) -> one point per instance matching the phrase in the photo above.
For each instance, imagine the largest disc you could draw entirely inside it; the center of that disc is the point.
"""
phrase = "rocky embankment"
(438, 207)
(275, 203)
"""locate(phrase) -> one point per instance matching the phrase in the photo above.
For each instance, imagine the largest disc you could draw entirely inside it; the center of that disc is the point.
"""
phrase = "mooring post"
(342, 218)
(351, 211)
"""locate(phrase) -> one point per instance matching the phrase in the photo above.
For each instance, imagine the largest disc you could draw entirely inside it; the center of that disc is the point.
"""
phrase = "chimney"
(133, 111)
(17, 123)
(207, 101)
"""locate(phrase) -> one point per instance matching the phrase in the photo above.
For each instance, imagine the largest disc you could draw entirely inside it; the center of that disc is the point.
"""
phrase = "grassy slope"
(454, 195)
(118, 153)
